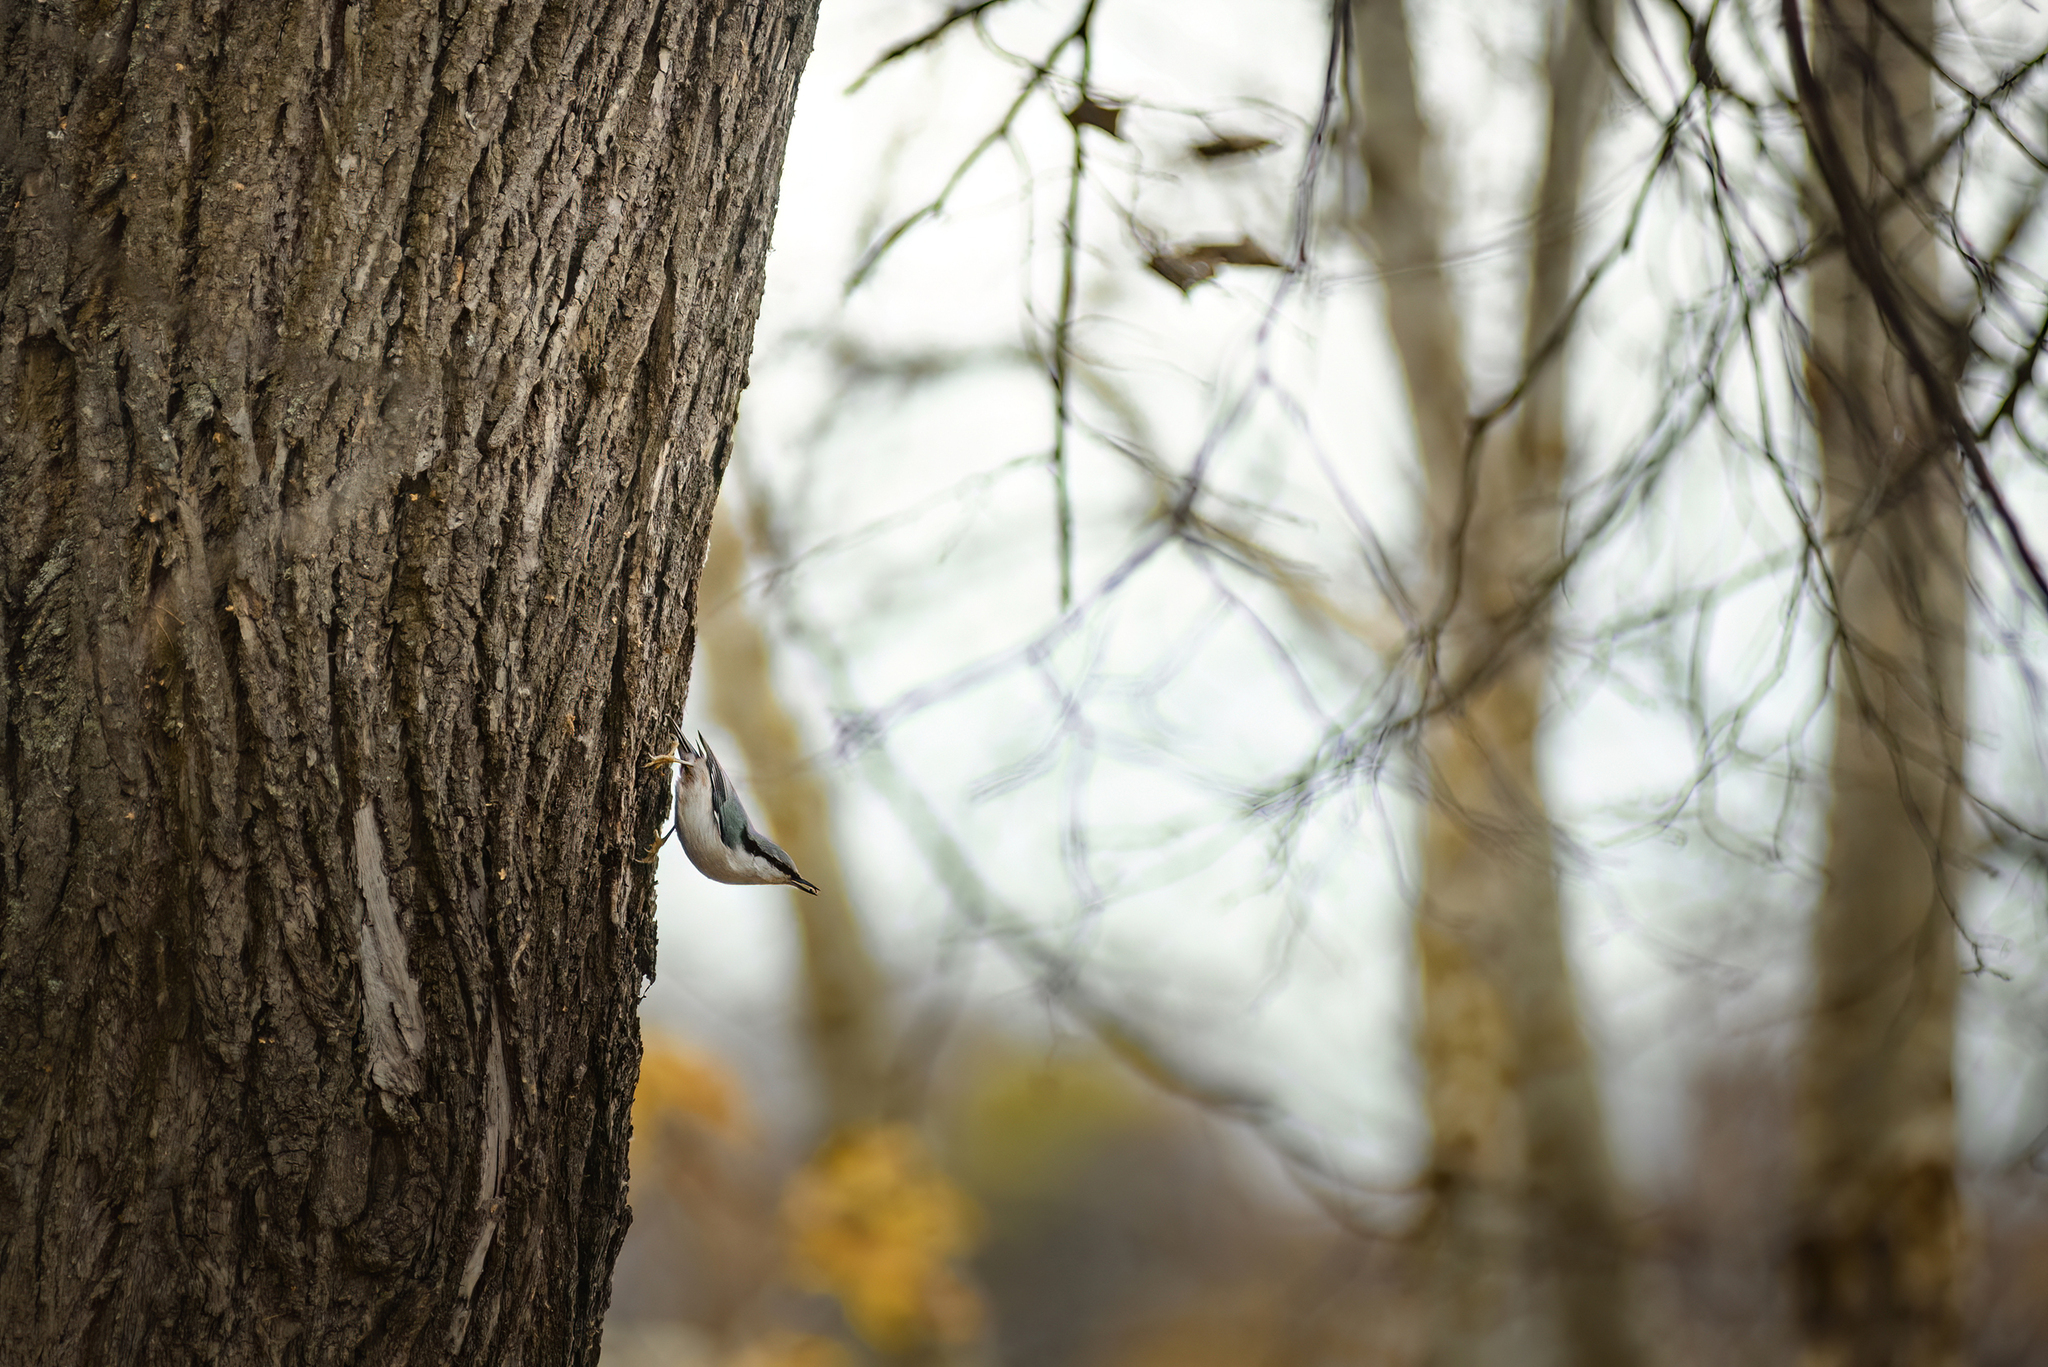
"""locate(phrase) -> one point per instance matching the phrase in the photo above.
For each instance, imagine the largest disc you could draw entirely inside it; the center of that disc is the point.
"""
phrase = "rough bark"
(367, 377)
(845, 1006)
(1519, 1168)
(1877, 1218)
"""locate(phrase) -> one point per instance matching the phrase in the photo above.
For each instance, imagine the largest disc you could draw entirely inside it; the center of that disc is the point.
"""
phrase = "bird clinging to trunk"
(714, 828)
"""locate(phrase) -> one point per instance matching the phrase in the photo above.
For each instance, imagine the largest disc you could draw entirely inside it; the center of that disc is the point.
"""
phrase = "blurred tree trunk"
(1877, 1218)
(1520, 1169)
(848, 1017)
(845, 1006)
(367, 378)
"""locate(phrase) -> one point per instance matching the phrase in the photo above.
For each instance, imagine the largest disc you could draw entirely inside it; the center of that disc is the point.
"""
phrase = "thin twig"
(957, 14)
(1063, 323)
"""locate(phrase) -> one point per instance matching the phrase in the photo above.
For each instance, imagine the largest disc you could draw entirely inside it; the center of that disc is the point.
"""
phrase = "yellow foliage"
(678, 1080)
(782, 1348)
(873, 1221)
(684, 1097)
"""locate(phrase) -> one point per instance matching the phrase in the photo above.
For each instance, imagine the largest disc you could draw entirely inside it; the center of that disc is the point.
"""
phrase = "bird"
(713, 826)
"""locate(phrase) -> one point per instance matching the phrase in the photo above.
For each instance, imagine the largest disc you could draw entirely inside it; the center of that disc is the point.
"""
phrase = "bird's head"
(693, 766)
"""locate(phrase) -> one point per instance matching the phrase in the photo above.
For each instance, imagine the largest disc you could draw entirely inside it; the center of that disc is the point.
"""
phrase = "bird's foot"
(653, 852)
(663, 761)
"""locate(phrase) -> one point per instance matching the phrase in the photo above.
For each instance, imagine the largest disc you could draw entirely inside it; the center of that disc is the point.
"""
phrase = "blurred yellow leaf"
(678, 1080)
(873, 1221)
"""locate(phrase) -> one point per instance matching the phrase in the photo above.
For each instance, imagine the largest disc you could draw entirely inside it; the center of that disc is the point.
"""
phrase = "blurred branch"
(1063, 319)
(1060, 979)
(1041, 72)
(1971, 99)
(957, 15)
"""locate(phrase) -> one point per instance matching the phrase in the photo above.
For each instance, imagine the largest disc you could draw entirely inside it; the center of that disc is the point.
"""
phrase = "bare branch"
(957, 15)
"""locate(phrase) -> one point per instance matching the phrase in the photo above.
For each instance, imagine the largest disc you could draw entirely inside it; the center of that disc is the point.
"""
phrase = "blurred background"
(1406, 647)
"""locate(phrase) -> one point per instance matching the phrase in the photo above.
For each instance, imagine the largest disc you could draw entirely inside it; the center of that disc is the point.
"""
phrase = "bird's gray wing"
(733, 826)
(736, 831)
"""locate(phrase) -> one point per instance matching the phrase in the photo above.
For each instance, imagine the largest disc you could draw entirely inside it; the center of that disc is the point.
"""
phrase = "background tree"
(1519, 1174)
(368, 375)
(1878, 1225)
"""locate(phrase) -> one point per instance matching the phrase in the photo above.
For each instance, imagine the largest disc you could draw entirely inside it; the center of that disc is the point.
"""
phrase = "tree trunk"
(846, 1025)
(1519, 1168)
(368, 374)
(1877, 1216)
(1477, 1154)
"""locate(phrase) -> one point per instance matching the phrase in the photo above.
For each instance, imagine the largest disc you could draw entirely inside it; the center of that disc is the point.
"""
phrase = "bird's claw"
(653, 852)
(663, 761)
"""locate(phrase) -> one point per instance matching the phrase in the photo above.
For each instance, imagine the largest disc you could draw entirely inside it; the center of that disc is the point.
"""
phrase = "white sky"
(923, 521)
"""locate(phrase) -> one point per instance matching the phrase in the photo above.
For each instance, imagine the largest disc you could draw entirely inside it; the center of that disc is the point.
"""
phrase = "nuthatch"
(713, 825)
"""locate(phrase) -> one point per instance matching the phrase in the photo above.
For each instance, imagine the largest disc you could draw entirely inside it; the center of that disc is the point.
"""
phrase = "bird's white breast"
(698, 827)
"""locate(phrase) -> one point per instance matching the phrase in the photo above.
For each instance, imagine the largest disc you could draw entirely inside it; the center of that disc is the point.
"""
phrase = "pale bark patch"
(392, 1022)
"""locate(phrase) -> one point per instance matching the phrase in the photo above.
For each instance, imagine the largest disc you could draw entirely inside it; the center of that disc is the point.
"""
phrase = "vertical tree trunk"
(1519, 1161)
(845, 1001)
(1477, 1154)
(1575, 1210)
(1877, 1217)
(367, 377)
